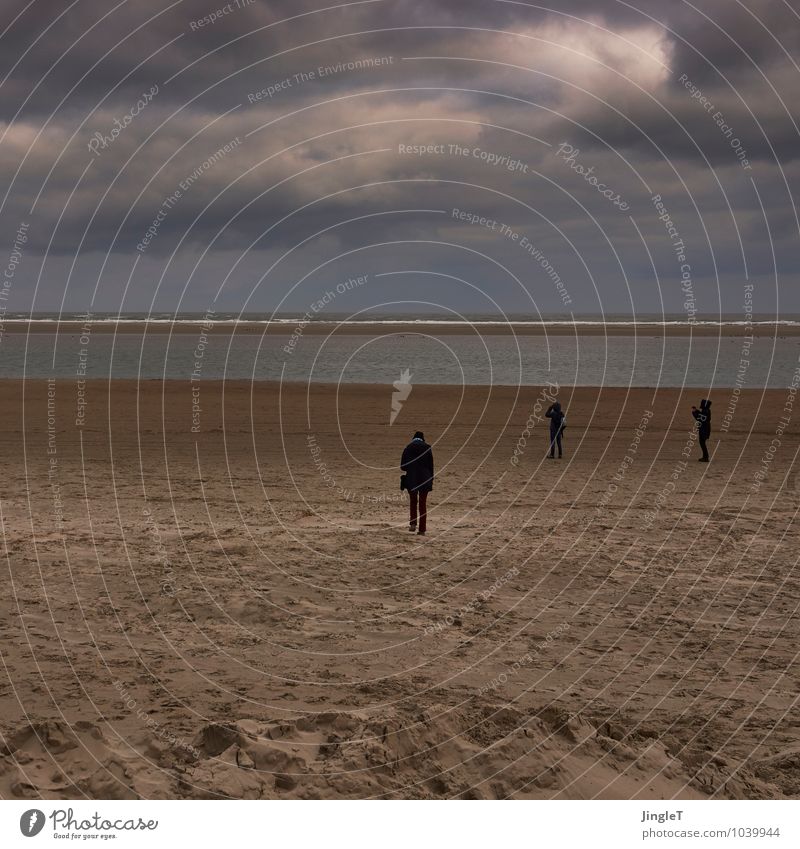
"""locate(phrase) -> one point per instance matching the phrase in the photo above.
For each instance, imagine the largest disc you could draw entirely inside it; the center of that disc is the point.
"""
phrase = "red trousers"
(422, 499)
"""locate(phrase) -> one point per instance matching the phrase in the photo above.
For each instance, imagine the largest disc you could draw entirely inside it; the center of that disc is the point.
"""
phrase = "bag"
(402, 482)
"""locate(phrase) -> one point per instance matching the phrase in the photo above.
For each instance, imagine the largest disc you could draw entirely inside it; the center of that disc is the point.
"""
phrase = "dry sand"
(214, 617)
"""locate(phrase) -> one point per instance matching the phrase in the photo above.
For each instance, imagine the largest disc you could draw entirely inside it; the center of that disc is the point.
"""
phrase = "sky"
(400, 156)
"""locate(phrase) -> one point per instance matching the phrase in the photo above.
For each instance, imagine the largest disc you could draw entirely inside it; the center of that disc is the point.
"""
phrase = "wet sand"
(239, 610)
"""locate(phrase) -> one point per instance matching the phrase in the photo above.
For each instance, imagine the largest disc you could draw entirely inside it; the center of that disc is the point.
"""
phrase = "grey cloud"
(602, 76)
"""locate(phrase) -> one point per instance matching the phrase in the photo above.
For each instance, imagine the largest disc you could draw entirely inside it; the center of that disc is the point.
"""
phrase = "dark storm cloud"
(243, 144)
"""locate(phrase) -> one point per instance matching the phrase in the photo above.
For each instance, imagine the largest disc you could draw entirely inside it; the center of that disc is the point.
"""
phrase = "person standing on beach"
(417, 463)
(703, 418)
(557, 425)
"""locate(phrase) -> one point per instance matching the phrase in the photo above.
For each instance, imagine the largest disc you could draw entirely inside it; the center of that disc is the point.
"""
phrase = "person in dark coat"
(417, 463)
(556, 416)
(703, 418)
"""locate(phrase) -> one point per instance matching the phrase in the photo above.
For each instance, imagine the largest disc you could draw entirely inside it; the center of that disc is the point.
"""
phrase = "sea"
(216, 351)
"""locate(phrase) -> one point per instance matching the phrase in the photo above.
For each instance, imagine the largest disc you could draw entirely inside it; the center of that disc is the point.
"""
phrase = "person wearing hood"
(557, 425)
(417, 464)
(703, 418)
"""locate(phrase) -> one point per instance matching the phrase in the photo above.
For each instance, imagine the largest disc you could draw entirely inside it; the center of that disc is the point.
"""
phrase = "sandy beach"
(225, 601)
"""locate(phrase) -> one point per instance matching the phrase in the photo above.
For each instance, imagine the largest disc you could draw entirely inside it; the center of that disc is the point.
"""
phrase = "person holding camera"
(703, 419)
(557, 425)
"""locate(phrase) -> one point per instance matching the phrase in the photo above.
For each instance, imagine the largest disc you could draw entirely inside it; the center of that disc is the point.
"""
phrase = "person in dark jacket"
(556, 416)
(703, 418)
(417, 463)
